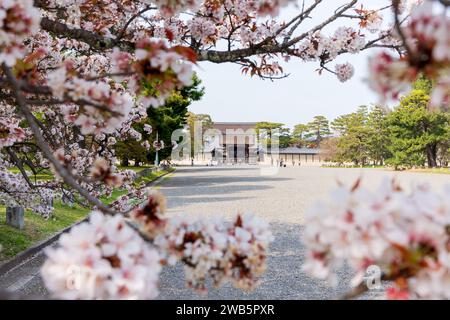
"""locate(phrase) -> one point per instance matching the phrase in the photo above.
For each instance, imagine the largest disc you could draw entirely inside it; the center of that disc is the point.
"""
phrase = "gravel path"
(281, 199)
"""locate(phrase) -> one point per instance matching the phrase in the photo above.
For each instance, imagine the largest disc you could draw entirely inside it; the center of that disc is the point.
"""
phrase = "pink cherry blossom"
(18, 20)
(405, 234)
(103, 259)
(344, 71)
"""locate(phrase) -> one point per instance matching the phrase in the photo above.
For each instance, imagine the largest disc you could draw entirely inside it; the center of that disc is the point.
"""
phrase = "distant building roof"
(296, 150)
(234, 125)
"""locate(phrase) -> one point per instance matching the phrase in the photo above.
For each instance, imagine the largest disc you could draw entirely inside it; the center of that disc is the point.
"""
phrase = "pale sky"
(231, 96)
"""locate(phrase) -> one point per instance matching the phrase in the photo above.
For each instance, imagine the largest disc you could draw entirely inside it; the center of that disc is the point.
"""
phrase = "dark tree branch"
(95, 41)
(19, 165)
(62, 171)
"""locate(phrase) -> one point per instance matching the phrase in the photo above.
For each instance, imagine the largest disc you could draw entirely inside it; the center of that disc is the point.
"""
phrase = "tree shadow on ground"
(181, 201)
(217, 168)
(183, 180)
(206, 190)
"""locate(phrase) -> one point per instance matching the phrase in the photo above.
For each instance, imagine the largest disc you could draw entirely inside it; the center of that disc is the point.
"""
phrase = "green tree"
(340, 124)
(269, 127)
(378, 135)
(318, 129)
(298, 135)
(415, 132)
(285, 138)
(274, 129)
(352, 144)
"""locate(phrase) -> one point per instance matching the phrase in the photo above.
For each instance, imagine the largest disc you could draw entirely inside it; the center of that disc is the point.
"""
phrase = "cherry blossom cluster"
(223, 251)
(150, 216)
(97, 107)
(108, 258)
(203, 30)
(215, 20)
(344, 71)
(389, 76)
(16, 192)
(171, 7)
(104, 258)
(261, 7)
(98, 175)
(427, 51)
(406, 234)
(157, 71)
(217, 250)
(99, 12)
(441, 92)
(250, 34)
(127, 202)
(319, 46)
(10, 132)
(102, 171)
(323, 48)
(18, 20)
(158, 145)
(371, 19)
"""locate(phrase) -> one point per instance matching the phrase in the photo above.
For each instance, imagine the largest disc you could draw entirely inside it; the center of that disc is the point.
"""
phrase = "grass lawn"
(135, 169)
(37, 228)
(152, 176)
(431, 170)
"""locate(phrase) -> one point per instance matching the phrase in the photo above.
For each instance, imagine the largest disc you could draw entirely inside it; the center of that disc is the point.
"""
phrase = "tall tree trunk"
(431, 152)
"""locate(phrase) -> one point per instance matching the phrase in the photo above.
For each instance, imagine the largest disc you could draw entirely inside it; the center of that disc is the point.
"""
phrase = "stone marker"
(15, 217)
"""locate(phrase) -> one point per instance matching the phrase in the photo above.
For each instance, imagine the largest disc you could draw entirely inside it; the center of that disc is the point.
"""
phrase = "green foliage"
(285, 139)
(152, 176)
(318, 129)
(377, 135)
(298, 135)
(272, 130)
(268, 127)
(409, 136)
(416, 134)
(353, 142)
(422, 83)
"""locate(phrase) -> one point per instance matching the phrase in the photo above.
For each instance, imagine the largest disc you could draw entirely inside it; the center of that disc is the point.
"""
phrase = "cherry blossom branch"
(135, 16)
(19, 165)
(300, 17)
(97, 42)
(94, 40)
(320, 26)
(396, 4)
(67, 99)
(62, 171)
